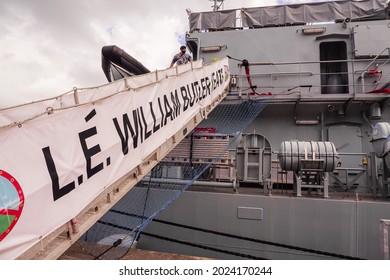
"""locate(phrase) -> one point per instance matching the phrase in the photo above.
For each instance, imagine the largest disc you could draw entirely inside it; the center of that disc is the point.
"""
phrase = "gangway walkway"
(67, 160)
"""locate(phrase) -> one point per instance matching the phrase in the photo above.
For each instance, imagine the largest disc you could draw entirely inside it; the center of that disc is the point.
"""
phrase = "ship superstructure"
(310, 170)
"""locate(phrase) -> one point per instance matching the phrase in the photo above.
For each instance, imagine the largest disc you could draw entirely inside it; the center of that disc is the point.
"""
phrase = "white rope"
(71, 92)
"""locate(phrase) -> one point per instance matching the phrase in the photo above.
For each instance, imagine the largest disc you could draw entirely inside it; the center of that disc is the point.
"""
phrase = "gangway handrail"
(375, 58)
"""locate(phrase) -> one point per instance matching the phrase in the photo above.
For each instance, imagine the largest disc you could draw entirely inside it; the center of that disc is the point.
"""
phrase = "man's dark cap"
(183, 47)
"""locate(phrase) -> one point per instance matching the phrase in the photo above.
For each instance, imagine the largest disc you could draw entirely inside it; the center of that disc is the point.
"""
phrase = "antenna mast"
(216, 5)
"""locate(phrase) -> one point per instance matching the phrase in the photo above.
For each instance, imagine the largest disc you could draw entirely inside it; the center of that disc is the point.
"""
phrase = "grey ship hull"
(340, 226)
(308, 103)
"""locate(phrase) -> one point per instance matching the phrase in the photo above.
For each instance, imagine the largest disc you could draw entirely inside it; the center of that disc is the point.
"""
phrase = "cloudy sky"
(47, 47)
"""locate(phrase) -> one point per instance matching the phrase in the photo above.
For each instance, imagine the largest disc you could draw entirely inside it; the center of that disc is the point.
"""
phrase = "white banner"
(53, 164)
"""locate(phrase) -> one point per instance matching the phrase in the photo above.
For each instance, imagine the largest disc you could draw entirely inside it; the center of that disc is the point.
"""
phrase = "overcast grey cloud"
(48, 47)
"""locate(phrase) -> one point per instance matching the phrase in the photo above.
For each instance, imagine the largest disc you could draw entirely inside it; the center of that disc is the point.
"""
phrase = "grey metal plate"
(250, 213)
(370, 40)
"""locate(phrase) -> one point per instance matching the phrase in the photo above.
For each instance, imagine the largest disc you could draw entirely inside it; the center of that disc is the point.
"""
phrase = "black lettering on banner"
(90, 115)
(203, 84)
(216, 81)
(126, 128)
(162, 112)
(90, 152)
(58, 191)
(141, 128)
(208, 84)
(147, 133)
(155, 127)
(176, 104)
(168, 110)
(189, 94)
(186, 100)
(197, 92)
(213, 82)
(194, 87)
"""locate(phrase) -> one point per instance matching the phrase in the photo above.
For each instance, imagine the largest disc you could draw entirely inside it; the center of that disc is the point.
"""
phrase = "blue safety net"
(118, 230)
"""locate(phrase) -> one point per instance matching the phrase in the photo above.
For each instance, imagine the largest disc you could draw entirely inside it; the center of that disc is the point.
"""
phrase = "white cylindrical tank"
(380, 133)
(298, 155)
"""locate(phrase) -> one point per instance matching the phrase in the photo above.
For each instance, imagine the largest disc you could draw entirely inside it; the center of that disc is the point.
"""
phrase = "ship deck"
(284, 191)
(312, 97)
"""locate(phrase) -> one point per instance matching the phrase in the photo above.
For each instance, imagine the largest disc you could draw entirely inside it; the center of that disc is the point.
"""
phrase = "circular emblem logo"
(11, 203)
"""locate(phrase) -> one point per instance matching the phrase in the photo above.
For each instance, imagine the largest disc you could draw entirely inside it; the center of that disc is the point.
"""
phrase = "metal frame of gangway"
(57, 242)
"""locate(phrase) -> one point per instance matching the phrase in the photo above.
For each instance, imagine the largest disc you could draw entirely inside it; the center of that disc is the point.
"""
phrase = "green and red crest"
(11, 203)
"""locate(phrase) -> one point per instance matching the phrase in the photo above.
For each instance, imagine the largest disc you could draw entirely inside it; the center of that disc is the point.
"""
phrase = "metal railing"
(377, 67)
(283, 77)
